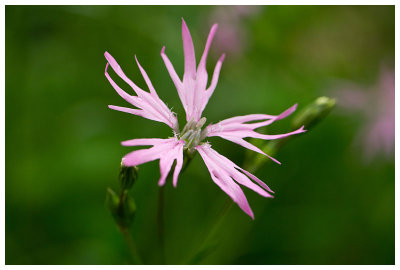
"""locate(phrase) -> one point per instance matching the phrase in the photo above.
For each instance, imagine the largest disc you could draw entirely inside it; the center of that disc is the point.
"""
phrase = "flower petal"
(171, 70)
(201, 74)
(210, 90)
(248, 145)
(151, 141)
(120, 92)
(202, 64)
(228, 165)
(236, 128)
(225, 174)
(188, 50)
(153, 98)
(192, 89)
(255, 117)
(222, 179)
(117, 69)
(166, 162)
(166, 150)
(142, 113)
(165, 166)
(146, 78)
(150, 105)
(279, 136)
(178, 167)
(215, 77)
(145, 155)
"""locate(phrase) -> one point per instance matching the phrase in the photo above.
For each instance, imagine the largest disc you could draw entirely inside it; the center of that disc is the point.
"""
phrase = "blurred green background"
(63, 143)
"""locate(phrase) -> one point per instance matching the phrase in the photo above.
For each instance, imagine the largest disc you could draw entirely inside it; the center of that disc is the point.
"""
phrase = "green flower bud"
(313, 113)
(122, 208)
(127, 176)
(127, 210)
(112, 200)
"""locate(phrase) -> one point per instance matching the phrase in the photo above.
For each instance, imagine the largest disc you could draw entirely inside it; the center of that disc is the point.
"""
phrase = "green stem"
(160, 209)
(201, 252)
(160, 222)
(125, 231)
(131, 244)
(122, 198)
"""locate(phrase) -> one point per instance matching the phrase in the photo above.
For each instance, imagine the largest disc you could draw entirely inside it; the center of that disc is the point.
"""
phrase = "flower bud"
(112, 200)
(122, 208)
(313, 113)
(127, 176)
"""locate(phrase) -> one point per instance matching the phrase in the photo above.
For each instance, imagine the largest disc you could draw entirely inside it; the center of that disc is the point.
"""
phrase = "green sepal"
(112, 200)
(122, 208)
(313, 113)
(128, 176)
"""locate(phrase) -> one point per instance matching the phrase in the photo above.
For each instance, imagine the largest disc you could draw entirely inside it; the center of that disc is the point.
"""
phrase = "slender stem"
(131, 244)
(221, 215)
(197, 257)
(125, 231)
(160, 209)
(160, 222)
(122, 198)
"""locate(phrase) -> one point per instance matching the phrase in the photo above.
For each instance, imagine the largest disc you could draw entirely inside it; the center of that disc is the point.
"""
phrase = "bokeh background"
(335, 193)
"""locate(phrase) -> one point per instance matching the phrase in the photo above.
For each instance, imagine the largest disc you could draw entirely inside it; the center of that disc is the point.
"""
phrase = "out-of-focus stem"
(123, 208)
(131, 244)
(160, 222)
(125, 231)
(201, 251)
(160, 208)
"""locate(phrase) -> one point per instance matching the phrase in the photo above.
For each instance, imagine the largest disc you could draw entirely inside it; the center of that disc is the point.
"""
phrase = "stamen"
(201, 123)
(187, 135)
(196, 137)
(192, 133)
(203, 134)
(188, 126)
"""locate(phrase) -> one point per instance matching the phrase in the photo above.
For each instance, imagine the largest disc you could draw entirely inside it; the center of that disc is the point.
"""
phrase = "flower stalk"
(187, 158)
(123, 208)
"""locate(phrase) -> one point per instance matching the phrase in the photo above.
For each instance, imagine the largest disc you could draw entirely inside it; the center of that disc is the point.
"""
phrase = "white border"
(178, 2)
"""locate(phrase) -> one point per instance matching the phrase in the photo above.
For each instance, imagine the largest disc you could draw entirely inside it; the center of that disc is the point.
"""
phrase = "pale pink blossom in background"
(194, 95)
(234, 37)
(377, 106)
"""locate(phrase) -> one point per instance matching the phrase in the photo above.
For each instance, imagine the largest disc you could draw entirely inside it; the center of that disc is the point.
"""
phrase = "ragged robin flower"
(194, 95)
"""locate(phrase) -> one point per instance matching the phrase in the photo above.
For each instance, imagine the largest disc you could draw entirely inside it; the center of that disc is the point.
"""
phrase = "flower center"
(192, 133)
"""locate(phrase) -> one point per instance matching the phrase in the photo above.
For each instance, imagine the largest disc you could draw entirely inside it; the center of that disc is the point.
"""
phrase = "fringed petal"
(227, 175)
(192, 89)
(149, 105)
(166, 150)
(235, 129)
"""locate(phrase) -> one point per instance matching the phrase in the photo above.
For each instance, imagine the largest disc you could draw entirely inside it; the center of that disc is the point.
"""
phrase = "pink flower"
(376, 104)
(194, 94)
(234, 38)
